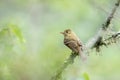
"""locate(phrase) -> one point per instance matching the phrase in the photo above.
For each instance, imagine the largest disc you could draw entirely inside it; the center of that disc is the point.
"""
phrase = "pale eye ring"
(67, 32)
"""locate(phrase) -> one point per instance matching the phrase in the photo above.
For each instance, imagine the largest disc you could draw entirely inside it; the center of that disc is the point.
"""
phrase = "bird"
(72, 41)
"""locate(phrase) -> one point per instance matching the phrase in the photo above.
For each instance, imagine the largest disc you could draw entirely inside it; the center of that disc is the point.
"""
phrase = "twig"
(112, 39)
(108, 21)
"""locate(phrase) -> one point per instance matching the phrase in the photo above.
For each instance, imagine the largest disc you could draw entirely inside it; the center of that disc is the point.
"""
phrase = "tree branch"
(69, 61)
(96, 42)
(112, 39)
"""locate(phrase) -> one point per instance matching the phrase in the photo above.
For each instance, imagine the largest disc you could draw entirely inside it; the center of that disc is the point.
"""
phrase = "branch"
(112, 39)
(69, 61)
(95, 42)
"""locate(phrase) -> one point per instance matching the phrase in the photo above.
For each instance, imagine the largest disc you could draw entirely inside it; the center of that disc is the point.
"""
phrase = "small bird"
(72, 41)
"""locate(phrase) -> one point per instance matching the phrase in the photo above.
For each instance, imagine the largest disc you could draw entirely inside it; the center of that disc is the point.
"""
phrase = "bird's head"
(67, 33)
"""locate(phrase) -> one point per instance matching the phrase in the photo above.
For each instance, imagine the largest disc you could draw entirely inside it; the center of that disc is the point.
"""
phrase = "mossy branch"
(69, 61)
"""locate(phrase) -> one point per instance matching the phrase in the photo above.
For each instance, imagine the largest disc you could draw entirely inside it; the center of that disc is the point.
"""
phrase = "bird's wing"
(72, 44)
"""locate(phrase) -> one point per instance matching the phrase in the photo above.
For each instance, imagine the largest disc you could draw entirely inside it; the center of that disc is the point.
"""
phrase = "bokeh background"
(31, 46)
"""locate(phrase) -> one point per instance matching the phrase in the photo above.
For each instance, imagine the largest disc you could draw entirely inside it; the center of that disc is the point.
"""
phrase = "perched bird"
(72, 41)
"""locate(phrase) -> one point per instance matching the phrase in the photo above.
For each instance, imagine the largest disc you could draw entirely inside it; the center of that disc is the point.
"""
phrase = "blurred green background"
(31, 46)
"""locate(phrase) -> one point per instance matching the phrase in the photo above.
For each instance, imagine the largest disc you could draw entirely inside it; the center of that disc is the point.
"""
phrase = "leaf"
(86, 76)
(17, 32)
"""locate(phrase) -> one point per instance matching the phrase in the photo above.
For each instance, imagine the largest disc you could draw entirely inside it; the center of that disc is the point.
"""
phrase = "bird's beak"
(61, 32)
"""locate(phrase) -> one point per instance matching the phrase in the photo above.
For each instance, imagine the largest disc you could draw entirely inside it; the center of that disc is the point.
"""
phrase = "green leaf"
(86, 76)
(17, 32)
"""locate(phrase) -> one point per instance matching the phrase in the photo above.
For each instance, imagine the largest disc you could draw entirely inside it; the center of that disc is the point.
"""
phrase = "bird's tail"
(82, 54)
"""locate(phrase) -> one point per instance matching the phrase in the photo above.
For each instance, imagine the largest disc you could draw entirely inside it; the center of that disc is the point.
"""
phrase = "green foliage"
(17, 32)
(86, 76)
(10, 35)
(5, 40)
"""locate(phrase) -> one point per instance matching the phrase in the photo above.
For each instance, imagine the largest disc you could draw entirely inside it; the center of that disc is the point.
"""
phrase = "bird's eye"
(67, 31)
